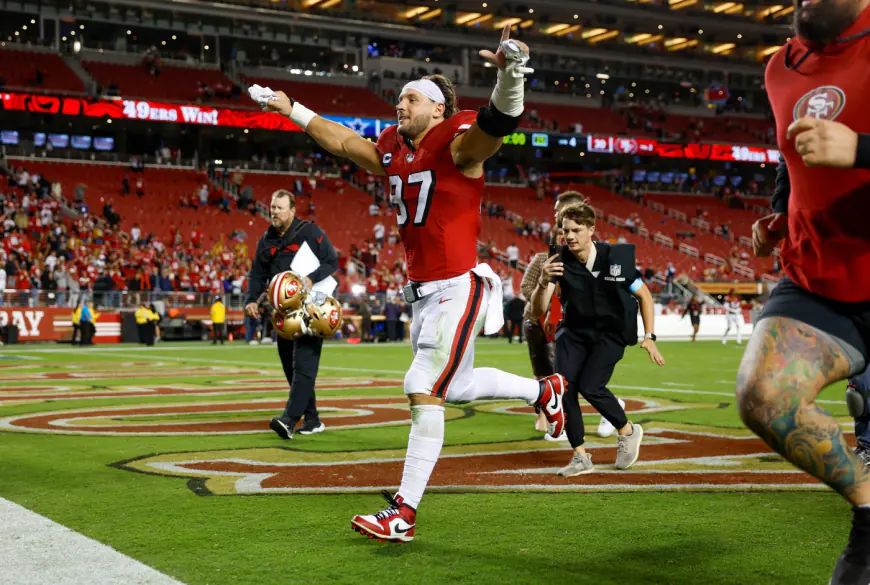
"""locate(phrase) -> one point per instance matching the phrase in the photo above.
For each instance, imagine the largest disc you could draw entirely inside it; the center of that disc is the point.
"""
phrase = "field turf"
(169, 460)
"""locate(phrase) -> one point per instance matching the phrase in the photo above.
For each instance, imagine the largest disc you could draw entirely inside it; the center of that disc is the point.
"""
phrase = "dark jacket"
(600, 302)
(275, 254)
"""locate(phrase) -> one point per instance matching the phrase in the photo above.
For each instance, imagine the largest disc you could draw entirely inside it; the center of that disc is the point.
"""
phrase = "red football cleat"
(550, 402)
(395, 524)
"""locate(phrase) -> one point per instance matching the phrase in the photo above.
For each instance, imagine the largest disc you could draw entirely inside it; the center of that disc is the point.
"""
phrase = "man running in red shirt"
(815, 330)
(433, 159)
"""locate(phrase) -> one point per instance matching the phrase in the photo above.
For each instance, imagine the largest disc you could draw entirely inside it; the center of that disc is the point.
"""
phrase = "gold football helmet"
(286, 292)
(324, 316)
(291, 325)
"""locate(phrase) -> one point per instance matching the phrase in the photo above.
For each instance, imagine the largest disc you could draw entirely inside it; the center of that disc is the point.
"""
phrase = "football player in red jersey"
(815, 330)
(433, 159)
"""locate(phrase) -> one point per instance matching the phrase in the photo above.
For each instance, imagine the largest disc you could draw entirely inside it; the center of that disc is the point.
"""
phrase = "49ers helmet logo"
(824, 102)
(334, 317)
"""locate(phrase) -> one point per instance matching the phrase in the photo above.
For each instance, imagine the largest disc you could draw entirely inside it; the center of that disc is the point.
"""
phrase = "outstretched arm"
(502, 116)
(337, 139)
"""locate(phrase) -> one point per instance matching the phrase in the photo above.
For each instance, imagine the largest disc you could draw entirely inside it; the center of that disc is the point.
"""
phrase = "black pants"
(511, 327)
(541, 353)
(587, 368)
(392, 330)
(76, 334)
(143, 332)
(301, 360)
(218, 332)
(88, 330)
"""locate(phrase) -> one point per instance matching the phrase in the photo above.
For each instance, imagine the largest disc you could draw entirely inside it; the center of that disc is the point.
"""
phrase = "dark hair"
(287, 194)
(446, 86)
(581, 213)
(570, 197)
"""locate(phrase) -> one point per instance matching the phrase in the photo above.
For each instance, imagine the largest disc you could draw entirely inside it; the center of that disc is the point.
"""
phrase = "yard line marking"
(34, 549)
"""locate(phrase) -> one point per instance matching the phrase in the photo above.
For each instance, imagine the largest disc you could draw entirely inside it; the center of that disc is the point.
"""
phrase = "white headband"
(427, 87)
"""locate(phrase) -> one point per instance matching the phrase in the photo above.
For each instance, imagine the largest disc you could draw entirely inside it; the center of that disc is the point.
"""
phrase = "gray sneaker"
(579, 464)
(863, 454)
(628, 448)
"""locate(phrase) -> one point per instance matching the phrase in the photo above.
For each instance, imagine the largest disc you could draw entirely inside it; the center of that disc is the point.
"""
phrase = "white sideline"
(35, 550)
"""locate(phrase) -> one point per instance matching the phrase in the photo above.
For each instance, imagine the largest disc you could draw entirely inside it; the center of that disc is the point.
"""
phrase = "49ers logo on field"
(824, 102)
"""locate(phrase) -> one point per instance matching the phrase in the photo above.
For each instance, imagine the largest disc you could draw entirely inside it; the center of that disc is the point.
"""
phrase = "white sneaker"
(253, 342)
(605, 429)
(562, 437)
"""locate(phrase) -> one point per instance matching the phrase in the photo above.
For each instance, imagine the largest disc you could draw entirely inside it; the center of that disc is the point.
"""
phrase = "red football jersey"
(437, 207)
(827, 249)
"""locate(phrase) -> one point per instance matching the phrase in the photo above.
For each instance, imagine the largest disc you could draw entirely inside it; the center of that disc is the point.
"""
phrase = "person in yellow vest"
(218, 321)
(143, 323)
(76, 321)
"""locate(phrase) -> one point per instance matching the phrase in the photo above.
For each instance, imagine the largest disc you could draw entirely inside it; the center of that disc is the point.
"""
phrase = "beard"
(823, 20)
(414, 128)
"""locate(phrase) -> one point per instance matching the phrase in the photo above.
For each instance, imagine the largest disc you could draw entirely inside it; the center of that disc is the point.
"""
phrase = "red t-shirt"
(827, 250)
(437, 207)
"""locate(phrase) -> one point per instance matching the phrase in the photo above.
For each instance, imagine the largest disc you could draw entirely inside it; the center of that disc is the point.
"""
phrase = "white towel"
(494, 309)
(261, 95)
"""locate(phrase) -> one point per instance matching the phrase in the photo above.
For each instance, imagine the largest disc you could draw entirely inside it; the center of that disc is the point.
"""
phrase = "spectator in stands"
(135, 233)
(140, 186)
(111, 216)
(374, 209)
(80, 191)
(513, 255)
(203, 195)
(365, 312)
(671, 272)
(246, 199)
(195, 236)
(379, 232)
(238, 179)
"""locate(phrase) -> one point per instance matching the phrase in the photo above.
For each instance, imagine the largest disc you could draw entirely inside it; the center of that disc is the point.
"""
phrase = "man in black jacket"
(301, 357)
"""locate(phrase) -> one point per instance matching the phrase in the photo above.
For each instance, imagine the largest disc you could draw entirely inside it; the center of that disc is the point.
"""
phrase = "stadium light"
(206, 47)
(174, 37)
(602, 76)
(77, 46)
(72, 33)
(24, 27)
(129, 33)
(163, 43)
(246, 130)
(308, 72)
(32, 21)
(81, 27)
(531, 10)
(576, 16)
(483, 5)
(355, 68)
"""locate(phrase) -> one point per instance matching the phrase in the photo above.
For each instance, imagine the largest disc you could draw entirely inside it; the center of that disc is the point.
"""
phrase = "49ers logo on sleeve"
(824, 102)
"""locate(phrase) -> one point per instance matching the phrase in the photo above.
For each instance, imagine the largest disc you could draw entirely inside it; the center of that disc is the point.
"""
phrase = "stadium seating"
(19, 69)
(158, 212)
(173, 84)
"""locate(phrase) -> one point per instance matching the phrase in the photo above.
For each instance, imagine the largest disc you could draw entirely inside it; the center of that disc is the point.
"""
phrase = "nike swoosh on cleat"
(555, 404)
(402, 530)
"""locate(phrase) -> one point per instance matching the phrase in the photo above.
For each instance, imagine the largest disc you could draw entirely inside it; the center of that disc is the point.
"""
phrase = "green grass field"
(160, 462)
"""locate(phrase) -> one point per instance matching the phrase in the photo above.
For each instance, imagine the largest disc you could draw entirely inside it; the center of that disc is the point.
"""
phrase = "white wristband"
(507, 97)
(301, 116)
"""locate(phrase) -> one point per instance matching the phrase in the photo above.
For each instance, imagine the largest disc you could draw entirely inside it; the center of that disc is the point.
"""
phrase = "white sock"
(493, 384)
(424, 447)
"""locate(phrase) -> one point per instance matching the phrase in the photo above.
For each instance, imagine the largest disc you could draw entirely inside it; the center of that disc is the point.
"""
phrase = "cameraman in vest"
(300, 357)
(600, 289)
